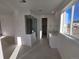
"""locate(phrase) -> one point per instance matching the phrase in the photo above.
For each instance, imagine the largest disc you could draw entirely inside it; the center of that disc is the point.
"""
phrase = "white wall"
(13, 24)
(60, 9)
(7, 24)
(19, 23)
(39, 24)
(68, 48)
(52, 23)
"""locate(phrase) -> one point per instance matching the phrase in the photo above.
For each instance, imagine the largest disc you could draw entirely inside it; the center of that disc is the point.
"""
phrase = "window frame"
(71, 4)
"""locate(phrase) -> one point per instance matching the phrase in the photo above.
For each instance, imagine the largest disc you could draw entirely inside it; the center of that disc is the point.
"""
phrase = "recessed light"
(53, 12)
(40, 10)
(23, 1)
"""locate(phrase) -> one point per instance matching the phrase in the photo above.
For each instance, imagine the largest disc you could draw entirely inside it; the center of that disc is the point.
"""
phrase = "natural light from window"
(70, 20)
(19, 41)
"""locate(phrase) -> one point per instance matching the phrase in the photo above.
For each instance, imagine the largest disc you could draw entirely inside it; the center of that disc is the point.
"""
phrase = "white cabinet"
(29, 39)
(52, 40)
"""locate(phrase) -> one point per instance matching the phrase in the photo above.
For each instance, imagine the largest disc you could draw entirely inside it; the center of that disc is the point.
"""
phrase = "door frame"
(46, 26)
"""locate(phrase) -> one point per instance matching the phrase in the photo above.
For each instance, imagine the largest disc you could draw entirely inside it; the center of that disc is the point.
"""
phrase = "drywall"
(60, 9)
(39, 24)
(14, 25)
(7, 24)
(19, 23)
(52, 23)
(67, 47)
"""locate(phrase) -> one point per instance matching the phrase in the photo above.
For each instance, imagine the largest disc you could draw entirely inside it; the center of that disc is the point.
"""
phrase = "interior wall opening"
(44, 27)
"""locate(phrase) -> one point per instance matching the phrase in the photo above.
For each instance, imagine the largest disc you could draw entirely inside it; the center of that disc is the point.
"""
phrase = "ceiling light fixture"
(40, 10)
(53, 12)
(23, 1)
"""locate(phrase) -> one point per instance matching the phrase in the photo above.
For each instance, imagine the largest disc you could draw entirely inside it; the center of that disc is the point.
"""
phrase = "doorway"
(44, 27)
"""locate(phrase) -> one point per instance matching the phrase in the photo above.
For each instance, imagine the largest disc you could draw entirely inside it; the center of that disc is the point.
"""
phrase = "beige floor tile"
(39, 51)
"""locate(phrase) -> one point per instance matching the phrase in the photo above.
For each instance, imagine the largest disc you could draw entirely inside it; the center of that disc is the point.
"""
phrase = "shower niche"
(30, 24)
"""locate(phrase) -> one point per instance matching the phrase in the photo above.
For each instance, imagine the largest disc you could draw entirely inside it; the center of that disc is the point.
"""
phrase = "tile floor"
(8, 46)
(40, 51)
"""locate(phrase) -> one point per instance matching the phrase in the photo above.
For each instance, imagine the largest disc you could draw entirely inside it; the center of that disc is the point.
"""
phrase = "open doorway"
(44, 27)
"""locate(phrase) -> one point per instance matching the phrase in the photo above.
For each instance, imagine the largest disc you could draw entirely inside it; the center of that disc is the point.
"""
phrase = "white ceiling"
(35, 6)
(46, 6)
(5, 8)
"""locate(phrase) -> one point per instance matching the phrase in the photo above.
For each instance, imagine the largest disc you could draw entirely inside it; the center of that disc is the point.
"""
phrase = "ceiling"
(5, 8)
(35, 6)
(44, 6)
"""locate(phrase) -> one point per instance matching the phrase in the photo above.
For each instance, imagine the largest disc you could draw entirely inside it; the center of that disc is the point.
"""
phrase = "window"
(76, 20)
(70, 20)
(67, 20)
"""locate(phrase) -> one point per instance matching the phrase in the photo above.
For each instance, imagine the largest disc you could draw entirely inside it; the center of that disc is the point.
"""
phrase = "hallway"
(39, 51)
(23, 23)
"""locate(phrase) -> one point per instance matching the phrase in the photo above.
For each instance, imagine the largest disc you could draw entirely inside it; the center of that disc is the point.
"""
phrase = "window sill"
(71, 38)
